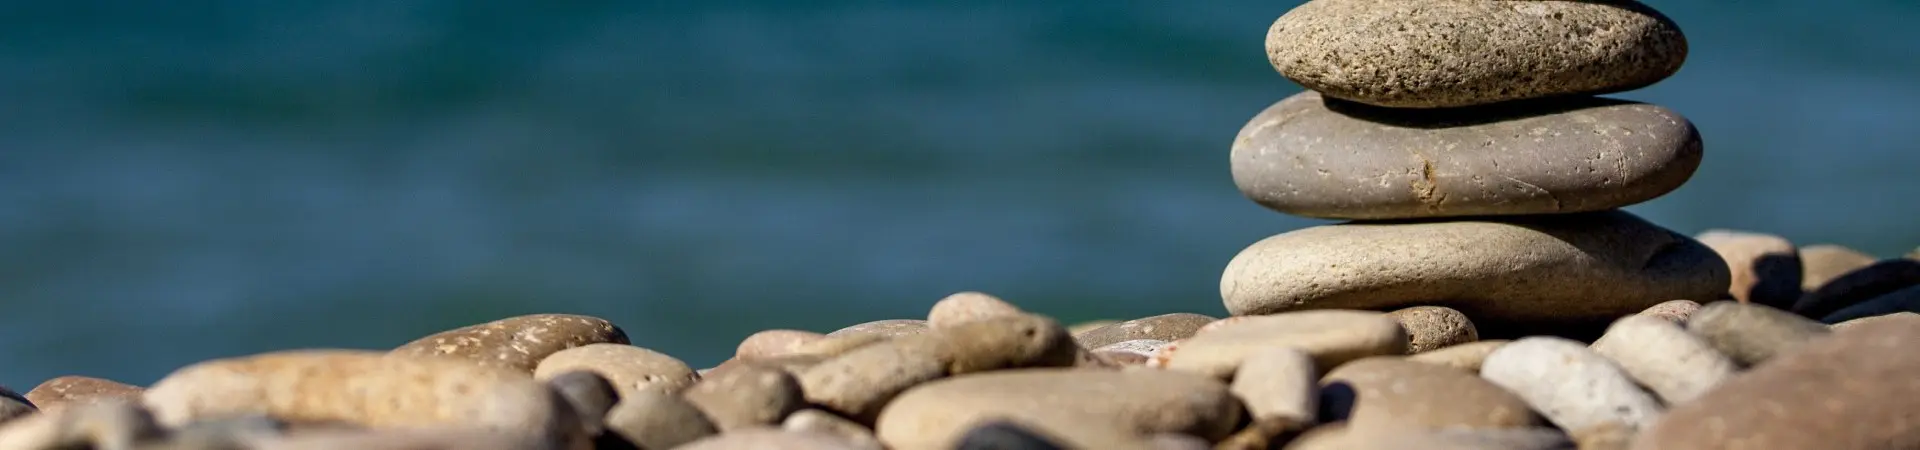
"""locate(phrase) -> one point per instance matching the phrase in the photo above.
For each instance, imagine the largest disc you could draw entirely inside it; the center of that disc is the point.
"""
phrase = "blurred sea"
(185, 180)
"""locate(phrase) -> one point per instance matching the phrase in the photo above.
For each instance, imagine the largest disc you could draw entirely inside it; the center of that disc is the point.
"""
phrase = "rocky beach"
(1484, 290)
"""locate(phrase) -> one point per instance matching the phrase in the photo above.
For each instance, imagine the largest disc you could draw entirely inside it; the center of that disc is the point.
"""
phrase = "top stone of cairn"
(1451, 53)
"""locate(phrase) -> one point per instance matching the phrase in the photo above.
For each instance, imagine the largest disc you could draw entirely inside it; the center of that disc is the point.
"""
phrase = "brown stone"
(1433, 327)
(890, 328)
(1851, 390)
(436, 438)
(1331, 337)
(516, 342)
(768, 438)
(58, 392)
(1868, 282)
(629, 368)
(1389, 392)
(1765, 268)
(771, 343)
(1749, 333)
(858, 437)
(746, 398)
(1164, 327)
(1078, 406)
(652, 419)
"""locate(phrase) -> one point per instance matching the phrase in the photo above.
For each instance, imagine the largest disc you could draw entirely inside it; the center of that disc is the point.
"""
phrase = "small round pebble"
(768, 438)
(631, 369)
(1433, 327)
(968, 306)
(653, 419)
(749, 397)
(1573, 387)
(1676, 365)
(590, 394)
(1389, 392)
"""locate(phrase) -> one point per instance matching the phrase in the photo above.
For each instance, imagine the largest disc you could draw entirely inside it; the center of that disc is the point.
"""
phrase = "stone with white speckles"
(1164, 327)
(517, 342)
(629, 368)
(1315, 157)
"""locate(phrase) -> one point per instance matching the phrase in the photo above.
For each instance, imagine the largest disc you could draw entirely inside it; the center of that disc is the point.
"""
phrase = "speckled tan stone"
(1311, 157)
(1446, 53)
(886, 328)
(968, 306)
(1164, 327)
(1852, 390)
(516, 342)
(362, 387)
(61, 391)
(1433, 327)
(1338, 437)
(1076, 405)
(860, 382)
(1765, 268)
(629, 368)
(771, 343)
(1666, 359)
(1588, 266)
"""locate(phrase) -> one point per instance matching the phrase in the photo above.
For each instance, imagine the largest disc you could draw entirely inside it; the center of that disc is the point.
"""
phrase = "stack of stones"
(1463, 142)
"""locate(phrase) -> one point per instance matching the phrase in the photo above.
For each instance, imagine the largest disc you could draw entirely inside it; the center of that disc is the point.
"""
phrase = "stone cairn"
(1481, 179)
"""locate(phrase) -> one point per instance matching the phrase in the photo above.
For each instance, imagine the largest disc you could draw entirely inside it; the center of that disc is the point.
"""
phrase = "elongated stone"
(1675, 364)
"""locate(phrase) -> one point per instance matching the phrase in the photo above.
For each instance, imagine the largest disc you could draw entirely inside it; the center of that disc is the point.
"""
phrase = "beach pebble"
(13, 405)
(1866, 320)
(1901, 301)
(1131, 353)
(1387, 393)
(1765, 268)
(114, 423)
(1337, 437)
(1676, 365)
(1433, 327)
(231, 433)
(652, 419)
(768, 438)
(749, 397)
(1076, 406)
(1573, 387)
(1278, 383)
(1749, 333)
(516, 342)
(1005, 435)
(859, 383)
(435, 438)
(968, 306)
(630, 369)
(1313, 157)
(889, 328)
(1004, 342)
(366, 388)
(1082, 327)
(832, 346)
(770, 343)
(61, 391)
(858, 437)
(1853, 390)
(1450, 53)
(1563, 267)
(1331, 337)
(1676, 311)
(1822, 263)
(1880, 278)
(590, 394)
(1164, 327)
(1467, 357)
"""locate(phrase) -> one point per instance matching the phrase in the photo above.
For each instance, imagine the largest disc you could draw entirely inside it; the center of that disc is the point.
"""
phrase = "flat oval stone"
(365, 388)
(770, 343)
(1676, 365)
(749, 397)
(1279, 383)
(1852, 390)
(1329, 159)
(1901, 301)
(858, 384)
(1765, 268)
(1749, 334)
(1565, 267)
(1875, 280)
(60, 391)
(1821, 263)
(1573, 387)
(1433, 327)
(516, 342)
(1074, 405)
(1338, 437)
(885, 328)
(653, 419)
(1331, 337)
(1445, 53)
(1387, 393)
(768, 438)
(629, 368)
(1467, 357)
(1164, 327)
(968, 306)
(437, 438)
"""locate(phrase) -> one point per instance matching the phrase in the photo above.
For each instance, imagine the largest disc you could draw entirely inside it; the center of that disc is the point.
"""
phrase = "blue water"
(184, 180)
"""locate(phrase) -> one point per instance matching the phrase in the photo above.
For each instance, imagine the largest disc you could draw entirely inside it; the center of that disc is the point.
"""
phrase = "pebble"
(107, 424)
(859, 383)
(1527, 268)
(1467, 357)
(858, 437)
(1076, 406)
(653, 419)
(1573, 387)
(13, 405)
(1164, 327)
(1854, 390)
(1387, 393)
(366, 388)
(1450, 53)
(749, 397)
(1824, 262)
(1765, 268)
(1331, 337)
(1901, 301)
(590, 394)
(1278, 383)
(1433, 327)
(890, 328)
(1748, 333)
(1858, 286)
(61, 391)
(1082, 327)
(1676, 311)
(1142, 347)
(1676, 365)
(770, 343)
(1005, 342)
(1337, 437)
(436, 438)
(235, 433)
(631, 369)
(768, 438)
(516, 342)
(832, 346)
(968, 306)
(1866, 320)
(1005, 435)
(1328, 159)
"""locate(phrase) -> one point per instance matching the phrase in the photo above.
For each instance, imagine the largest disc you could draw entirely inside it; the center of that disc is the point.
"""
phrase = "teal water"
(184, 180)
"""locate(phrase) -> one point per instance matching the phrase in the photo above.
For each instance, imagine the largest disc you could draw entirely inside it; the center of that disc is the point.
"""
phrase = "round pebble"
(653, 419)
(590, 394)
(857, 436)
(1573, 387)
(968, 306)
(750, 397)
(768, 438)
(1433, 327)
(1866, 283)
(1676, 365)
(631, 369)
(516, 342)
